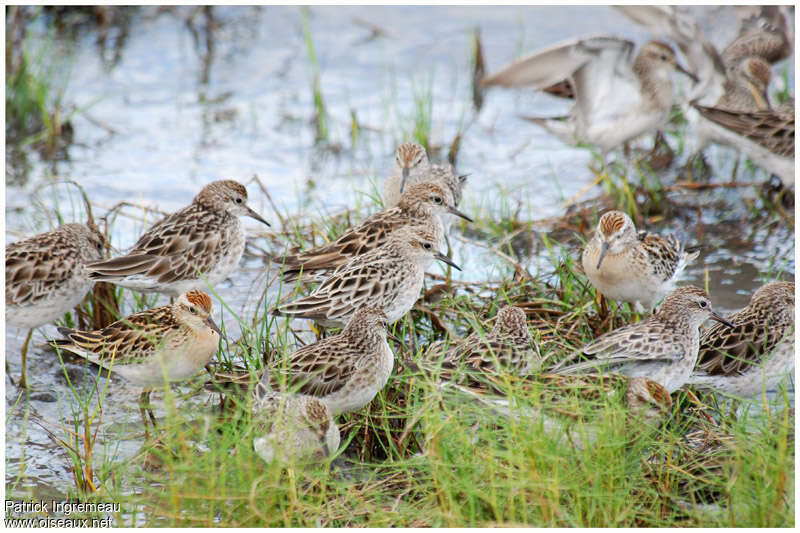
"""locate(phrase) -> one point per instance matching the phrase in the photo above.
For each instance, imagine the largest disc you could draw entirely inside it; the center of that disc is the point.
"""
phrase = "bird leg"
(144, 406)
(23, 382)
(602, 306)
(449, 254)
(318, 329)
(659, 138)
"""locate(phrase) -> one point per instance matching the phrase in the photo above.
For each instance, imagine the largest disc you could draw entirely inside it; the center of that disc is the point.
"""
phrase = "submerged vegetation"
(422, 454)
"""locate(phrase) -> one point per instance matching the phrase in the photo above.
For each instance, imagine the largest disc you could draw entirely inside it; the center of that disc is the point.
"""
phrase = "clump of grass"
(423, 455)
(422, 117)
(80, 440)
(35, 84)
(478, 68)
(320, 112)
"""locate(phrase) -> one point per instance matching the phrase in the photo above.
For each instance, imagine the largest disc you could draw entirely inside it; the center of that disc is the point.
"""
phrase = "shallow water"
(231, 97)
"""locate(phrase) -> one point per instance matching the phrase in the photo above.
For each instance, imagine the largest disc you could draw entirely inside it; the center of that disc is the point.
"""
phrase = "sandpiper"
(192, 248)
(618, 96)
(663, 347)
(729, 103)
(409, 167)
(757, 352)
(292, 427)
(388, 278)
(421, 204)
(46, 276)
(507, 347)
(639, 268)
(344, 371)
(746, 86)
(153, 347)
(764, 33)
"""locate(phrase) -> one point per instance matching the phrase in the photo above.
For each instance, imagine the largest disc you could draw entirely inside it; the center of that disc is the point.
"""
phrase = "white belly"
(47, 310)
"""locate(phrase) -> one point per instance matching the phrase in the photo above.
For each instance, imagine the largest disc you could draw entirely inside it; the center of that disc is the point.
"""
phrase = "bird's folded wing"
(343, 291)
(772, 129)
(330, 256)
(125, 341)
(638, 344)
(129, 265)
(317, 369)
(29, 281)
(728, 351)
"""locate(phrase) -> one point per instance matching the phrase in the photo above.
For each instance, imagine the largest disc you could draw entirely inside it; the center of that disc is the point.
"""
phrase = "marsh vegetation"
(316, 120)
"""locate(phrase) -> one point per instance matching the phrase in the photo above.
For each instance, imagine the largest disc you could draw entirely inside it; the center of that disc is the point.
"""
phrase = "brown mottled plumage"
(508, 344)
(203, 240)
(746, 86)
(766, 137)
(765, 34)
(388, 278)
(663, 347)
(420, 204)
(174, 340)
(345, 371)
(757, 352)
(292, 427)
(611, 223)
(773, 129)
(627, 266)
(46, 274)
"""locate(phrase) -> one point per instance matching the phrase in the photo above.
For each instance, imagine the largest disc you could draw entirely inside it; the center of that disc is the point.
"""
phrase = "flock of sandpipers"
(372, 275)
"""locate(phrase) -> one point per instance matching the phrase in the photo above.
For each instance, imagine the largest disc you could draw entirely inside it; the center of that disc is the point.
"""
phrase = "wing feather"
(554, 64)
(318, 369)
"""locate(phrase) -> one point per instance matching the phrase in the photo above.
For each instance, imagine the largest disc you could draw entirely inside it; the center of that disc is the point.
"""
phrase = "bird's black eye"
(663, 57)
(427, 246)
(703, 304)
(437, 199)
(193, 310)
(238, 200)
